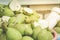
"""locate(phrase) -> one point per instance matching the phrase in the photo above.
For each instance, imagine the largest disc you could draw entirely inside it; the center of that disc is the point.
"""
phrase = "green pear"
(1, 31)
(12, 20)
(3, 5)
(27, 11)
(33, 18)
(8, 12)
(3, 36)
(58, 24)
(45, 35)
(20, 18)
(35, 24)
(57, 29)
(36, 14)
(36, 30)
(27, 38)
(0, 22)
(20, 28)
(28, 29)
(1, 11)
(13, 34)
(27, 19)
(11, 25)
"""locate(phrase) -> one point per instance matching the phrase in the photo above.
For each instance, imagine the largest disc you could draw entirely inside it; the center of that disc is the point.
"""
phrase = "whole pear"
(8, 12)
(27, 38)
(13, 34)
(36, 30)
(45, 35)
(20, 28)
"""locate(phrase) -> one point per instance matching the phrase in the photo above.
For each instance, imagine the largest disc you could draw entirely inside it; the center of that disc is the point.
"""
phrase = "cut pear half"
(28, 10)
(14, 5)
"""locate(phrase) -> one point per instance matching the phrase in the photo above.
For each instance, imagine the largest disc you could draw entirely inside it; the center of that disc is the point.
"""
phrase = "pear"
(36, 14)
(11, 25)
(27, 11)
(3, 36)
(33, 18)
(57, 29)
(20, 28)
(27, 38)
(45, 35)
(14, 5)
(20, 18)
(58, 24)
(12, 20)
(35, 24)
(1, 31)
(0, 22)
(36, 30)
(8, 12)
(1, 5)
(28, 29)
(1, 11)
(27, 19)
(13, 34)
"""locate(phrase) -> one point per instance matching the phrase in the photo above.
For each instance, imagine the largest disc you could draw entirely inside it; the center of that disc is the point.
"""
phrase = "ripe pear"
(27, 38)
(20, 18)
(13, 34)
(36, 30)
(45, 35)
(57, 29)
(28, 29)
(20, 28)
(8, 12)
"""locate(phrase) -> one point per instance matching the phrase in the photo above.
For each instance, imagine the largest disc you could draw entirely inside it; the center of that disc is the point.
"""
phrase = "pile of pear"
(18, 25)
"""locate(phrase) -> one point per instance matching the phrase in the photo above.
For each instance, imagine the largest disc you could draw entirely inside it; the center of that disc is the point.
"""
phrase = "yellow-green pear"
(27, 38)
(13, 34)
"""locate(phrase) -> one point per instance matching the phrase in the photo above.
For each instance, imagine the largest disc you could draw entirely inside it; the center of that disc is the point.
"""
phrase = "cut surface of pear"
(14, 5)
